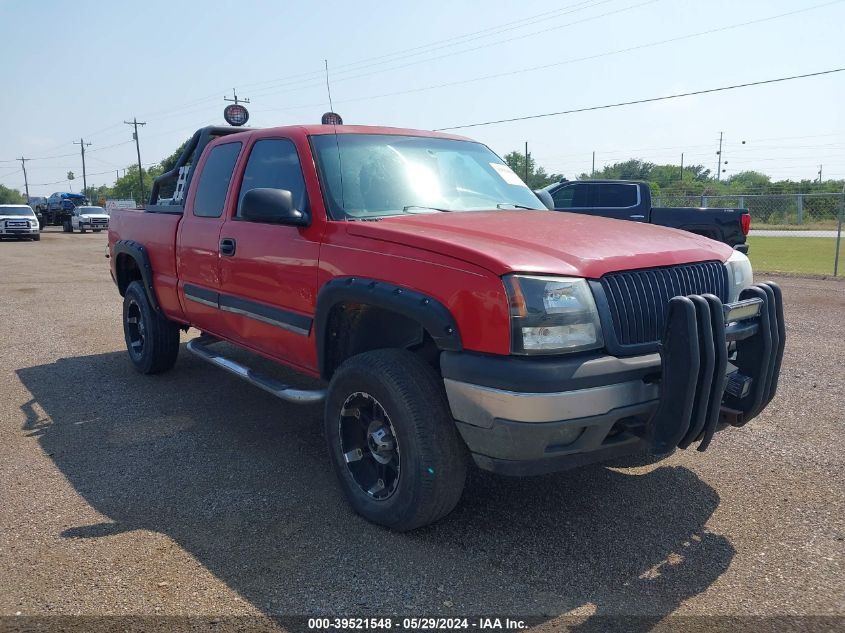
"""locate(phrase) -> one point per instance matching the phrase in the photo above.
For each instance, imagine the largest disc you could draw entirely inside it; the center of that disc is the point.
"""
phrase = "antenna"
(328, 85)
(334, 119)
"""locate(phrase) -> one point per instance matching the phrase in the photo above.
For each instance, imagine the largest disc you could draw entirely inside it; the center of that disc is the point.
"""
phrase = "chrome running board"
(199, 347)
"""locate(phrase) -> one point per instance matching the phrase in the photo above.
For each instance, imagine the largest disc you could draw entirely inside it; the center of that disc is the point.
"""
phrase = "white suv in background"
(19, 220)
(85, 218)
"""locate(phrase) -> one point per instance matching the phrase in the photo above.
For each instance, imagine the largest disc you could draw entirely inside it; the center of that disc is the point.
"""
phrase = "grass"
(801, 255)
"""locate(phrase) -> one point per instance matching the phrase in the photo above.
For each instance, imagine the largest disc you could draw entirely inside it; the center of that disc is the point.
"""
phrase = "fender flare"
(431, 314)
(136, 251)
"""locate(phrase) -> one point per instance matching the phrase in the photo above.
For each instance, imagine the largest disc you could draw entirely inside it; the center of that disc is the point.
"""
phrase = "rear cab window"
(215, 179)
(616, 195)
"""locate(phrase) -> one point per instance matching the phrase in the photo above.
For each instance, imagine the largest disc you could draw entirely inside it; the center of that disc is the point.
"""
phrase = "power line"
(522, 71)
(360, 64)
(639, 101)
(290, 88)
(98, 173)
(439, 44)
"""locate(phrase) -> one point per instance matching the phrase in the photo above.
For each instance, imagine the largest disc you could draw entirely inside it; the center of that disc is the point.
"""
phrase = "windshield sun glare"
(377, 175)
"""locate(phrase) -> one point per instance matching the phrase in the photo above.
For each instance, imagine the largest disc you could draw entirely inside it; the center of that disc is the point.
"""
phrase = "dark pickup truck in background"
(631, 200)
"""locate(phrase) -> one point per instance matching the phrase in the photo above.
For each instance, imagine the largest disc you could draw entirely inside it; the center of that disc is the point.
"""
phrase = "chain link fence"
(813, 210)
(792, 233)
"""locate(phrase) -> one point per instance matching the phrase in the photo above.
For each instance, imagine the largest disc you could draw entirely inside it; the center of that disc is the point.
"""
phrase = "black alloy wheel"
(135, 330)
(369, 446)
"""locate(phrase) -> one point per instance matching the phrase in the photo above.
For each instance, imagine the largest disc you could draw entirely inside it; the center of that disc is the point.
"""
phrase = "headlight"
(550, 315)
(740, 275)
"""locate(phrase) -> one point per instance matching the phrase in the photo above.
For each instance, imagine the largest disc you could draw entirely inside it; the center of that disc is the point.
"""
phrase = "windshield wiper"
(417, 206)
(502, 205)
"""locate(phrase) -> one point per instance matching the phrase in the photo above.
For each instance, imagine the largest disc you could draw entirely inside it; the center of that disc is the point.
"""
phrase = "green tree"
(11, 196)
(537, 176)
(168, 163)
(749, 181)
(633, 169)
(127, 186)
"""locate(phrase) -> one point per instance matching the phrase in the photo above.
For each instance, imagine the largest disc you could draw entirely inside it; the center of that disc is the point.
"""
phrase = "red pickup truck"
(450, 316)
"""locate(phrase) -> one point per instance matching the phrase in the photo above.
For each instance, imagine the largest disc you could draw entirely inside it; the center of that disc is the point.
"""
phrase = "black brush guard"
(698, 395)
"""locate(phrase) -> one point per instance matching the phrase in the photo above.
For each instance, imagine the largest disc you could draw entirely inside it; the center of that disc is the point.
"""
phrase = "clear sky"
(79, 69)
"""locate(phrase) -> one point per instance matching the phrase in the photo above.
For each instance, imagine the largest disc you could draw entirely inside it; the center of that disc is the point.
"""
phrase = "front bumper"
(18, 231)
(525, 416)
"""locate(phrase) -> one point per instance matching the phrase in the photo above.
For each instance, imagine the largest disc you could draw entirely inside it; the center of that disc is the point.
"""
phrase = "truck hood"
(95, 216)
(548, 242)
(31, 218)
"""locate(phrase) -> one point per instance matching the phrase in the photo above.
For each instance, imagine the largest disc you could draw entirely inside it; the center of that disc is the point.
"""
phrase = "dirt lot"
(193, 493)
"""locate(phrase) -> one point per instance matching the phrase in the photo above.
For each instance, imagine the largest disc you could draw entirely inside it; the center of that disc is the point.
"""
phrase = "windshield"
(91, 211)
(24, 211)
(376, 175)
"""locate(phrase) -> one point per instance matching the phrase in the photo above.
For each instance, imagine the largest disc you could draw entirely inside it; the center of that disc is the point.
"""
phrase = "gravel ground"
(194, 494)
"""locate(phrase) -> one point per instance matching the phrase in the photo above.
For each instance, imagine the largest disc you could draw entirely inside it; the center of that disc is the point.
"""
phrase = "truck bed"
(157, 233)
(724, 225)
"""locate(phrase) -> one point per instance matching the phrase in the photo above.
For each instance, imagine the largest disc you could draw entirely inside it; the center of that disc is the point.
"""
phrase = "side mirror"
(273, 206)
(545, 198)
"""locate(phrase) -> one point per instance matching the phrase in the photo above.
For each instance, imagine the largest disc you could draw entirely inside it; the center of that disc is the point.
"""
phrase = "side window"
(274, 164)
(612, 195)
(571, 197)
(214, 180)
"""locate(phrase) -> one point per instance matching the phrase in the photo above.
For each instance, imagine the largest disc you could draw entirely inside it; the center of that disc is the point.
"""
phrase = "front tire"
(36, 238)
(67, 227)
(392, 440)
(151, 339)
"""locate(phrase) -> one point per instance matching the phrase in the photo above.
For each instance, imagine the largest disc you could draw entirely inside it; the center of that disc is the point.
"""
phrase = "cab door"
(198, 239)
(268, 277)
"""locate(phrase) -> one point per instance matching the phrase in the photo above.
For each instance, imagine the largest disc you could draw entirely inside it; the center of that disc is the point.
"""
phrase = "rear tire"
(67, 227)
(151, 339)
(392, 398)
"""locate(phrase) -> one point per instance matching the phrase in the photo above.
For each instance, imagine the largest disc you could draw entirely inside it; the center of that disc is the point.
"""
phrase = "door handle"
(227, 247)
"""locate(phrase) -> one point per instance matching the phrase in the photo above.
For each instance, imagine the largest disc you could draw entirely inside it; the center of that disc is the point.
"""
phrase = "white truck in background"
(86, 218)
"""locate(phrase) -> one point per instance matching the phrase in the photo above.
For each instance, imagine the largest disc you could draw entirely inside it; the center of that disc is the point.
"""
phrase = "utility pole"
(593, 172)
(236, 101)
(719, 159)
(135, 122)
(25, 181)
(82, 145)
(820, 174)
(682, 167)
(839, 232)
(526, 164)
